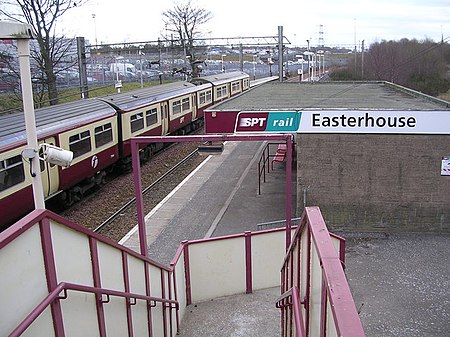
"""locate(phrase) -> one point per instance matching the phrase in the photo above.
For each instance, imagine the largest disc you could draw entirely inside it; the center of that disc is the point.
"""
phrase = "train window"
(221, 91)
(80, 143)
(202, 99)
(103, 135)
(151, 116)
(11, 172)
(209, 96)
(137, 122)
(236, 86)
(186, 104)
(176, 107)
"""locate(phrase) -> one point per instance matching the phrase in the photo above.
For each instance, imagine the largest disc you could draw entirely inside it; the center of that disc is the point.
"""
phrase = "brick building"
(374, 158)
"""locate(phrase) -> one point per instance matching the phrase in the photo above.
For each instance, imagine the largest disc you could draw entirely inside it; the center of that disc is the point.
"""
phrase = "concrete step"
(249, 315)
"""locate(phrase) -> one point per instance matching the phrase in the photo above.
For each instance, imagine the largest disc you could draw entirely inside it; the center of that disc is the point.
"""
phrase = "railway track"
(153, 185)
(111, 211)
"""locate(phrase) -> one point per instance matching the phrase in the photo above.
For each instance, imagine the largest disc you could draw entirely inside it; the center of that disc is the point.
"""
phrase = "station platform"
(219, 198)
(398, 281)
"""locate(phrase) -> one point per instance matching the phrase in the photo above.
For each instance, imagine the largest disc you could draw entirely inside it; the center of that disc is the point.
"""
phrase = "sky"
(343, 22)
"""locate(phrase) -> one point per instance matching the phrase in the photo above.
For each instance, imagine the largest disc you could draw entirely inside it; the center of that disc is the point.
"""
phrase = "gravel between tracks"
(97, 207)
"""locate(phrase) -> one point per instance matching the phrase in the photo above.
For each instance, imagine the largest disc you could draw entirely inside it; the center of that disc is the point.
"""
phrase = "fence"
(316, 298)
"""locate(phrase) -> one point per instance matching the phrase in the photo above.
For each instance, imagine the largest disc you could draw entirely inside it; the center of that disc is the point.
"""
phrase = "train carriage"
(155, 111)
(73, 126)
(98, 131)
(225, 85)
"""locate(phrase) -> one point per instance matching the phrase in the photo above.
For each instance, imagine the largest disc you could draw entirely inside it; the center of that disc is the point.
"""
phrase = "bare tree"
(184, 20)
(418, 65)
(43, 15)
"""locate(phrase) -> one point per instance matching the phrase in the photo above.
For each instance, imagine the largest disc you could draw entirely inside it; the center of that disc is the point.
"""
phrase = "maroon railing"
(264, 161)
(65, 287)
(313, 284)
(167, 302)
(291, 298)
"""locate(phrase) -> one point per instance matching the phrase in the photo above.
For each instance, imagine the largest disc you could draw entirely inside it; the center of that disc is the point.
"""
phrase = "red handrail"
(292, 298)
(64, 287)
(334, 288)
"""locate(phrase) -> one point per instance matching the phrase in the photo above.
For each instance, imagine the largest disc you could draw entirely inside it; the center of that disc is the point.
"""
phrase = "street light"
(309, 69)
(254, 67)
(95, 29)
(23, 33)
(223, 68)
(140, 63)
(118, 84)
(321, 56)
(300, 70)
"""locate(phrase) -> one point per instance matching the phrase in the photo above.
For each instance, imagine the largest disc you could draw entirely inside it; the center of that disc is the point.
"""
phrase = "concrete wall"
(375, 182)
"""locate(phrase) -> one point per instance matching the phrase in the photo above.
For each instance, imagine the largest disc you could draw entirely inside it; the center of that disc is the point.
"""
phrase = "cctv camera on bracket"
(51, 154)
(56, 155)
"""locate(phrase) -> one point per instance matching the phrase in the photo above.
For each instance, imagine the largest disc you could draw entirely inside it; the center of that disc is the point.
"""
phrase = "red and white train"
(98, 132)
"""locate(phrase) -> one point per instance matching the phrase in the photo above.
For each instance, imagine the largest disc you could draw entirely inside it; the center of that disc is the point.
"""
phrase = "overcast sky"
(343, 21)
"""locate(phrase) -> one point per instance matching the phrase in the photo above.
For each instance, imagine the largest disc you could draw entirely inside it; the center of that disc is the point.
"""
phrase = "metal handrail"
(335, 289)
(65, 286)
(292, 298)
(265, 157)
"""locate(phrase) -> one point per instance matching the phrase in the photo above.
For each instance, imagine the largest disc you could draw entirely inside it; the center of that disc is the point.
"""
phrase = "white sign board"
(387, 121)
(445, 168)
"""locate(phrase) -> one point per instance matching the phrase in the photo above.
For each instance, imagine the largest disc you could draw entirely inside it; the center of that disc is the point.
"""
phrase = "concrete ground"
(400, 283)
(245, 315)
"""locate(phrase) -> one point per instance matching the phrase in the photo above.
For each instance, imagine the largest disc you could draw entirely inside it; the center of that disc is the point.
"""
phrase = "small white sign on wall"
(445, 168)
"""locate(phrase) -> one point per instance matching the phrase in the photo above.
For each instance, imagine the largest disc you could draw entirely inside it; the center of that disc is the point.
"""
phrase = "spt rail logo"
(251, 121)
(274, 121)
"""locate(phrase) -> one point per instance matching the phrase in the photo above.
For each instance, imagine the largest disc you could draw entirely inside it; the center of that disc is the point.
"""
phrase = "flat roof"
(329, 96)
(143, 97)
(52, 118)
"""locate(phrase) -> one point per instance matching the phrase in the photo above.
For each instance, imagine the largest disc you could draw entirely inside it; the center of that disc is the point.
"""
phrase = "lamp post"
(300, 70)
(140, 63)
(254, 67)
(309, 68)
(95, 29)
(118, 84)
(23, 33)
(223, 68)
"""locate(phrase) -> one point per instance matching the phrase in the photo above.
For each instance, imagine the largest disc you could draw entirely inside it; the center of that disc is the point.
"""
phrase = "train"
(98, 131)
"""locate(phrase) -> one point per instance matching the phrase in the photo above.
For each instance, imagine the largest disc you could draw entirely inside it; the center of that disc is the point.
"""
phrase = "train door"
(164, 118)
(49, 173)
(194, 107)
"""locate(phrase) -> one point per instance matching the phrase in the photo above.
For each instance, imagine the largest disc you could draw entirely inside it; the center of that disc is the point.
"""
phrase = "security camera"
(56, 156)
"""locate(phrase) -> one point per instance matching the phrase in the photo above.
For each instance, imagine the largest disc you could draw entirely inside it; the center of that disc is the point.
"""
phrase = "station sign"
(256, 121)
(445, 166)
(348, 121)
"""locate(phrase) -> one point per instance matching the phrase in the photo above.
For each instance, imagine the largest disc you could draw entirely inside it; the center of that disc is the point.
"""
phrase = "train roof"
(220, 78)
(51, 119)
(154, 94)
(330, 96)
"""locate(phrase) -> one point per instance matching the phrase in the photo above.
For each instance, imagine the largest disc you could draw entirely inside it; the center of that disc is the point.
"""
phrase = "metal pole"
(289, 149)
(241, 57)
(140, 64)
(30, 123)
(362, 60)
(254, 67)
(280, 53)
(139, 198)
(309, 68)
(84, 89)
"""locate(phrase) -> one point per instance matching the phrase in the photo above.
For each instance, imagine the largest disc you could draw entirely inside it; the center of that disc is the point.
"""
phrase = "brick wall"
(375, 182)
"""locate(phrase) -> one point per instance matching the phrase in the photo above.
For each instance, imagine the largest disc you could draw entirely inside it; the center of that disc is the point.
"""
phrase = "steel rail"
(157, 181)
